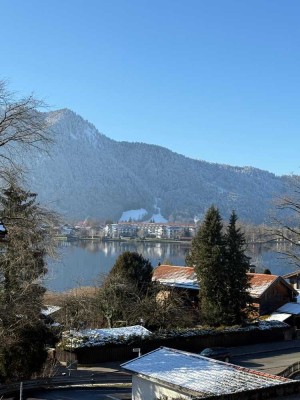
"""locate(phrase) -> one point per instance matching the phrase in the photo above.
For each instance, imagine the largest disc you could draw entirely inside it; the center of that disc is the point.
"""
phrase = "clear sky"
(216, 80)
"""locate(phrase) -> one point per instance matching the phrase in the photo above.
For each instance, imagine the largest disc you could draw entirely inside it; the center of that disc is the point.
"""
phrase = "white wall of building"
(143, 389)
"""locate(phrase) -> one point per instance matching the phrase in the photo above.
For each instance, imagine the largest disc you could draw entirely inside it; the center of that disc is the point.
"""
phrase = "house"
(167, 373)
(269, 292)
(181, 279)
(289, 313)
(176, 276)
(294, 279)
(150, 229)
(46, 315)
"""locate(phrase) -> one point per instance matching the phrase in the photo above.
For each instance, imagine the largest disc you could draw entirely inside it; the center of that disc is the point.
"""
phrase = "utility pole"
(21, 391)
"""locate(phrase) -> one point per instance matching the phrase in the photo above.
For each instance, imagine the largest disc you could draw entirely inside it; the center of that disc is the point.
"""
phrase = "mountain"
(86, 174)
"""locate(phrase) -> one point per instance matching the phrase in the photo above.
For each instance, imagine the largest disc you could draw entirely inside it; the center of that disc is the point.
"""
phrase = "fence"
(291, 370)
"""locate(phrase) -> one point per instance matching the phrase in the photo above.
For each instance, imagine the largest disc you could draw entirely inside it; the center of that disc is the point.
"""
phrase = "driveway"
(271, 357)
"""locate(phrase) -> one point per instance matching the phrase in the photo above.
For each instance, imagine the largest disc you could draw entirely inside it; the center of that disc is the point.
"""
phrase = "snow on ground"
(134, 215)
(138, 215)
(158, 218)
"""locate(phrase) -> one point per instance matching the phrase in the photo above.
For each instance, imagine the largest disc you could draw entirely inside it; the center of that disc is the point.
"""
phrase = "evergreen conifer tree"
(221, 267)
(236, 280)
(208, 257)
(134, 268)
(125, 289)
(22, 266)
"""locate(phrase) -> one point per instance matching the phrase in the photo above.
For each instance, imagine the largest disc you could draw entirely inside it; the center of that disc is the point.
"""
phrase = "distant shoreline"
(100, 239)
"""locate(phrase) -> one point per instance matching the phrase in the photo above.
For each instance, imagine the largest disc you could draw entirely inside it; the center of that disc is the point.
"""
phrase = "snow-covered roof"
(98, 337)
(285, 311)
(259, 283)
(292, 274)
(2, 227)
(277, 316)
(204, 376)
(177, 276)
(185, 277)
(291, 308)
(47, 310)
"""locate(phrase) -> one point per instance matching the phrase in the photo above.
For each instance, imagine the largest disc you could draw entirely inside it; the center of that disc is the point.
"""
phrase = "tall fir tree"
(221, 267)
(22, 266)
(236, 279)
(208, 256)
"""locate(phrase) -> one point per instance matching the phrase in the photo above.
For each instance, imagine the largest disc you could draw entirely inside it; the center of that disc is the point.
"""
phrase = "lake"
(83, 263)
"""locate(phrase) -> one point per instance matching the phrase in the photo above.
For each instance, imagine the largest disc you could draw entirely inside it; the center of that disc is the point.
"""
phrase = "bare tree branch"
(22, 124)
(286, 226)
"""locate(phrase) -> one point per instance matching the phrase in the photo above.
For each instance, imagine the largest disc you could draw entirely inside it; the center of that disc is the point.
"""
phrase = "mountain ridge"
(89, 174)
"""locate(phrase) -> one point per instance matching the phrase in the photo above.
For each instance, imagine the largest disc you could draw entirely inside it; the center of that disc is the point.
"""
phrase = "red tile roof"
(259, 283)
(173, 272)
(175, 275)
(186, 277)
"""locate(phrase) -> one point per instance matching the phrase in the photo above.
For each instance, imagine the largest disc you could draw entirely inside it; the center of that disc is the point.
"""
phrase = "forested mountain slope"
(88, 174)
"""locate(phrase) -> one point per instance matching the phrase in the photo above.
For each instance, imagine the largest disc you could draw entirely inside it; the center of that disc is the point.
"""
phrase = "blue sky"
(216, 80)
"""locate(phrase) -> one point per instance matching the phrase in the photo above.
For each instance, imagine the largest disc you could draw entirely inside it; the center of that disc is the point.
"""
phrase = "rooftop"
(178, 276)
(259, 283)
(185, 277)
(291, 308)
(201, 375)
(292, 274)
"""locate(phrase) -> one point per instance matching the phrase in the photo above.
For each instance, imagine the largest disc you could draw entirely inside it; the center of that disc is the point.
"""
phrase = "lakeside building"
(145, 230)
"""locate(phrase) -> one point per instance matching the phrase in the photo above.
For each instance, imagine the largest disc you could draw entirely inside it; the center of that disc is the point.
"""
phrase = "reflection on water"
(83, 263)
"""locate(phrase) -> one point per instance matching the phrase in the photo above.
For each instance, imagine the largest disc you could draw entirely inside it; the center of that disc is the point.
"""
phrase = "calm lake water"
(83, 263)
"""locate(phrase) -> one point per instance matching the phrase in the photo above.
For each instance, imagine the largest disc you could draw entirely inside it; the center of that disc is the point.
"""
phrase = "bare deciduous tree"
(22, 125)
(78, 310)
(121, 302)
(287, 224)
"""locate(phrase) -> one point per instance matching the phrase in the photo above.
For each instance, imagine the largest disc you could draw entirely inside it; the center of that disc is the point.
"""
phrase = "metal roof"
(291, 308)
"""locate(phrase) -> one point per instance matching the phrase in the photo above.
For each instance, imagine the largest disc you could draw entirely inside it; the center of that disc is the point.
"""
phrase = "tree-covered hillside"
(88, 174)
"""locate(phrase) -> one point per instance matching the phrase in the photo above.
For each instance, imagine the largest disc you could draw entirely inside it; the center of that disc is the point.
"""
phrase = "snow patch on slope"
(158, 218)
(139, 215)
(133, 215)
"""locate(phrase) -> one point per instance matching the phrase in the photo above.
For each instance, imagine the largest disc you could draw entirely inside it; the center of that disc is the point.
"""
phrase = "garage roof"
(201, 375)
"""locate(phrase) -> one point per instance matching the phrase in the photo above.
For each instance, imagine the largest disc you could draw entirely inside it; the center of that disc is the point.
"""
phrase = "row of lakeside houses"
(132, 230)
